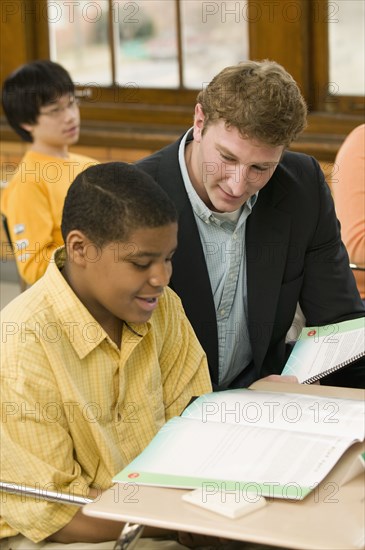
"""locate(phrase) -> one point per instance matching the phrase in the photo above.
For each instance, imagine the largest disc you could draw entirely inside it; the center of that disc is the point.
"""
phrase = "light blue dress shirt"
(223, 240)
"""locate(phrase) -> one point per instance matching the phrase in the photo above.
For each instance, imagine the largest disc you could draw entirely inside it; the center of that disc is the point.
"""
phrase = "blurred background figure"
(349, 195)
(40, 105)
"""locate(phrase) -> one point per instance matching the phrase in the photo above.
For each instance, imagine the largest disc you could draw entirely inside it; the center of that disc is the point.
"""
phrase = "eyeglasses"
(58, 110)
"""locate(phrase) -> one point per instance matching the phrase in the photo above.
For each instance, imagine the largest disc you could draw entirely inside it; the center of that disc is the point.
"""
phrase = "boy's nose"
(161, 275)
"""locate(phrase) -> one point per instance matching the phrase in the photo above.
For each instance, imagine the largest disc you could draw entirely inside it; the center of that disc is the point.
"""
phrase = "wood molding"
(323, 136)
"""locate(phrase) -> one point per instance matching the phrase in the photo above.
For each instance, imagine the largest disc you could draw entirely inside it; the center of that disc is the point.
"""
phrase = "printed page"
(289, 411)
(269, 462)
(319, 349)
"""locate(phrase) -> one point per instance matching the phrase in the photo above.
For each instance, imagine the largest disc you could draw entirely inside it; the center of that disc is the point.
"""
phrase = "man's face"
(226, 169)
(57, 126)
(124, 280)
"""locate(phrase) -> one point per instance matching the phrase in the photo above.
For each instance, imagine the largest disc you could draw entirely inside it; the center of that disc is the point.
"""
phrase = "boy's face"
(57, 126)
(123, 281)
(226, 169)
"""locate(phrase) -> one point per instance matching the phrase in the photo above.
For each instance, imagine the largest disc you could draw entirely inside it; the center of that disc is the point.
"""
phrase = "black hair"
(107, 202)
(30, 87)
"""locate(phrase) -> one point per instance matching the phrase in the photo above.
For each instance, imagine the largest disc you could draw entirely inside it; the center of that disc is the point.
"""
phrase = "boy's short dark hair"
(107, 202)
(30, 87)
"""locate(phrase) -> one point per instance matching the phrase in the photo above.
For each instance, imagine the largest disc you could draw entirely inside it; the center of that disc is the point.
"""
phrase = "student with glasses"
(40, 105)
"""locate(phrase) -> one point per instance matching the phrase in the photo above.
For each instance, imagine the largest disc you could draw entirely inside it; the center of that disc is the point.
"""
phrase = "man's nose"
(236, 177)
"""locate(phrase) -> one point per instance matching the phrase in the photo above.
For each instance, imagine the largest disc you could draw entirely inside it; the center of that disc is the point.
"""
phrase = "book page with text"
(289, 411)
(188, 453)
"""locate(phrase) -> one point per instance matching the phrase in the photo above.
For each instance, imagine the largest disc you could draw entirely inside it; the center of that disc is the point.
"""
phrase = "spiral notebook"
(320, 351)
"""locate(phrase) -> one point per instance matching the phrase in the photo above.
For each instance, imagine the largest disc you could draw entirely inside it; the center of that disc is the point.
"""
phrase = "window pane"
(79, 39)
(146, 43)
(346, 46)
(215, 34)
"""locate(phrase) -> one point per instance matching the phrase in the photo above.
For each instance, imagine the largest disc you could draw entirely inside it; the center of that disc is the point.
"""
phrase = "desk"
(331, 517)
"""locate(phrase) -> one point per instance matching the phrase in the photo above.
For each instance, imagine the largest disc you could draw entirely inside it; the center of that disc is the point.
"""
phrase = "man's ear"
(79, 248)
(198, 122)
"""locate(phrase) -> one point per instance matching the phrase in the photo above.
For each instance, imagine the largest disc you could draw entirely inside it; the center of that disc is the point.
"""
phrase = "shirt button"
(234, 236)
(222, 311)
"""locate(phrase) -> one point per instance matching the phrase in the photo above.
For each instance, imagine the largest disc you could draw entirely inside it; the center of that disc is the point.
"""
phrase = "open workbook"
(267, 443)
(322, 350)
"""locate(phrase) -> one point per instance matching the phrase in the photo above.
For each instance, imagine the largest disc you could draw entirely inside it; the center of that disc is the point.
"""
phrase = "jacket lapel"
(267, 239)
(189, 267)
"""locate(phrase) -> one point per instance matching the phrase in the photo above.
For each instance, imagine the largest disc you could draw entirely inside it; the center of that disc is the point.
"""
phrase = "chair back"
(356, 267)
(23, 285)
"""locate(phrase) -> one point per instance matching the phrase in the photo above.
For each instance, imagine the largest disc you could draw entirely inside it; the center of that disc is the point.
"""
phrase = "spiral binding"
(333, 369)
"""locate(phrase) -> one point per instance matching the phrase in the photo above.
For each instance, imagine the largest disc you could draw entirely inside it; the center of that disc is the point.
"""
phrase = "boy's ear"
(78, 247)
(27, 127)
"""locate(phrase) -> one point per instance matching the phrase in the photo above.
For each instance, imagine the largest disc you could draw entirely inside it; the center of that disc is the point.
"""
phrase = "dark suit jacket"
(294, 254)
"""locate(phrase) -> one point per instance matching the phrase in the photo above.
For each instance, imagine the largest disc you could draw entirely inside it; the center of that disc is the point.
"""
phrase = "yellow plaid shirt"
(75, 408)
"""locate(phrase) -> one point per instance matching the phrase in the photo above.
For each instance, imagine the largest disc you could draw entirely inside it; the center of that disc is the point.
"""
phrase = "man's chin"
(225, 205)
(223, 208)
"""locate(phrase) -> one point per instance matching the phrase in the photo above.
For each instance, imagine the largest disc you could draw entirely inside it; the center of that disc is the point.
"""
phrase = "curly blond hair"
(259, 98)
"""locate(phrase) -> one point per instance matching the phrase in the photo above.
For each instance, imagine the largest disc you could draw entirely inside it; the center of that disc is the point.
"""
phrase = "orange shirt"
(349, 194)
(33, 204)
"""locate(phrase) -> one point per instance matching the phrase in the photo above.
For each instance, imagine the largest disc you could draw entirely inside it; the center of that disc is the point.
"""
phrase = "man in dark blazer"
(258, 232)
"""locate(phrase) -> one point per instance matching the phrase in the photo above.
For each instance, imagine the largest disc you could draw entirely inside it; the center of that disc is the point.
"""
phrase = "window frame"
(149, 118)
